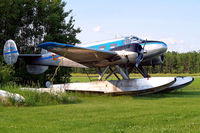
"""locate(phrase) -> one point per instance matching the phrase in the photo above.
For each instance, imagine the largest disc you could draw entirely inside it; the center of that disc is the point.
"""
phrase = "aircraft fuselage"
(127, 51)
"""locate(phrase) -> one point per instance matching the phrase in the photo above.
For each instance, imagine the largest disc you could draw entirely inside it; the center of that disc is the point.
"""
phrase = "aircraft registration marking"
(55, 56)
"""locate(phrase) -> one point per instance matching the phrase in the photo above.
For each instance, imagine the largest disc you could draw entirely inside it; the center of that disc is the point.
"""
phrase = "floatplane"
(120, 55)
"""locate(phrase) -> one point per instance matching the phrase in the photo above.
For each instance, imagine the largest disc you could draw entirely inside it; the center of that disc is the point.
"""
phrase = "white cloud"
(172, 41)
(97, 29)
(174, 44)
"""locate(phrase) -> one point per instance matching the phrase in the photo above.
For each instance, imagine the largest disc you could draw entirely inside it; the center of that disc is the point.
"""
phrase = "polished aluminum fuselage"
(152, 51)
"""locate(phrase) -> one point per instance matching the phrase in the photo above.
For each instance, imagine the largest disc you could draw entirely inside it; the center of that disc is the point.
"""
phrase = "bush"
(6, 72)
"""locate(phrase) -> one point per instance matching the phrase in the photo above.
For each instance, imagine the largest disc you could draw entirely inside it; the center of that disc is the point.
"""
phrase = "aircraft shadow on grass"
(174, 94)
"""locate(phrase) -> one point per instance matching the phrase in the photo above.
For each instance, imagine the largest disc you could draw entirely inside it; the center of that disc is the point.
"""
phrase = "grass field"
(79, 77)
(163, 113)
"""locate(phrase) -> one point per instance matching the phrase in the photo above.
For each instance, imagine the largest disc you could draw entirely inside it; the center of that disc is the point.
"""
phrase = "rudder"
(10, 52)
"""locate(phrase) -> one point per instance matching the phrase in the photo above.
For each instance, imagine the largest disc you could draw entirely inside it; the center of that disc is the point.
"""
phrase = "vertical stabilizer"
(10, 52)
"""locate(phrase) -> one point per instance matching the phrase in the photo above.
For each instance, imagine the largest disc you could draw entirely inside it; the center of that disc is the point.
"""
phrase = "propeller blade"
(139, 59)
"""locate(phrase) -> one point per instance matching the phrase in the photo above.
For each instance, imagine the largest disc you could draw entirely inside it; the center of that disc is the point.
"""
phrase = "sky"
(175, 22)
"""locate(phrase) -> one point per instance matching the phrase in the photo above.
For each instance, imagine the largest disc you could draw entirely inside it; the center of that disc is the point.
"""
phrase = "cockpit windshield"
(136, 39)
(133, 39)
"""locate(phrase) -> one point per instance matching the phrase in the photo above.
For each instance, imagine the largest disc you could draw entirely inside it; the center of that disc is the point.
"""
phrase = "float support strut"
(121, 72)
(102, 74)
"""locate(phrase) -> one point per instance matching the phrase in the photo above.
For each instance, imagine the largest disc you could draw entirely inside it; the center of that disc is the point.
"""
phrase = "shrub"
(6, 73)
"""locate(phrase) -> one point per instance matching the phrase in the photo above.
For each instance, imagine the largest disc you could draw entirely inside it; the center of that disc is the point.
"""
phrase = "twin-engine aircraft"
(128, 53)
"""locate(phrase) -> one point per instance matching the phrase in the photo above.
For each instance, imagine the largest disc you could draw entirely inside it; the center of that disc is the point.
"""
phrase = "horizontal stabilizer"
(30, 55)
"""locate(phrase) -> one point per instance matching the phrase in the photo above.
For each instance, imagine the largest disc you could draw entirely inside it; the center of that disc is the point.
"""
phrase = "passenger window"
(113, 45)
(93, 47)
(102, 47)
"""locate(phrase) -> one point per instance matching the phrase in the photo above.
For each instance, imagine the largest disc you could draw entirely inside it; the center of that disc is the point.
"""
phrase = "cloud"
(174, 44)
(97, 29)
(172, 41)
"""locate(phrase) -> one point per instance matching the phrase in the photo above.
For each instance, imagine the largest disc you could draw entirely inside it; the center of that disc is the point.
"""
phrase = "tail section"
(10, 52)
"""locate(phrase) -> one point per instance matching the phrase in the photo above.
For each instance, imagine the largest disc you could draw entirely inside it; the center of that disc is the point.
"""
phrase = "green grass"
(157, 113)
(79, 77)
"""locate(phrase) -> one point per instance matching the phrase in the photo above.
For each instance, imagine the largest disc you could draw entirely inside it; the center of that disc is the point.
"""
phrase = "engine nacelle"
(36, 69)
(154, 61)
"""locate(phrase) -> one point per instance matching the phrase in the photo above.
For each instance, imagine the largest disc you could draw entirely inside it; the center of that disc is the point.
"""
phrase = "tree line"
(174, 62)
(179, 63)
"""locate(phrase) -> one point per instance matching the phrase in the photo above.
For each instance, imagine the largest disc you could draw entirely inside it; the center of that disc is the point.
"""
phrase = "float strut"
(143, 72)
(121, 72)
(102, 74)
(126, 71)
(113, 72)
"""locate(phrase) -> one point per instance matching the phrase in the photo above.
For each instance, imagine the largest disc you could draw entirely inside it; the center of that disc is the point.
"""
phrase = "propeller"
(140, 57)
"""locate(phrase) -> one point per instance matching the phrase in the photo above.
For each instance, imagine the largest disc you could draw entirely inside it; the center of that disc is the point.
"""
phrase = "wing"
(80, 54)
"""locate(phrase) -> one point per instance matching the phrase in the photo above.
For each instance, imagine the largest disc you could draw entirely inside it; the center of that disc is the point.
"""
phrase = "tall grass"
(35, 98)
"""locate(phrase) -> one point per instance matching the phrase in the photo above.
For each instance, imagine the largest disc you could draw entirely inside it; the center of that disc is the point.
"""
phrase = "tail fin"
(10, 52)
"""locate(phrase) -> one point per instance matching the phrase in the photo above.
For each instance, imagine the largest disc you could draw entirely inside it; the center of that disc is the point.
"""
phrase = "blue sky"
(176, 22)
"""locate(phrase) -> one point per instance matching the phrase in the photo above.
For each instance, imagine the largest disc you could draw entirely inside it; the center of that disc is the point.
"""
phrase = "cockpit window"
(136, 39)
(132, 39)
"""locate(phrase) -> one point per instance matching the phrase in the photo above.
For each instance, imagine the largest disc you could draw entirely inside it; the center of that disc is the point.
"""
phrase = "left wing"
(80, 54)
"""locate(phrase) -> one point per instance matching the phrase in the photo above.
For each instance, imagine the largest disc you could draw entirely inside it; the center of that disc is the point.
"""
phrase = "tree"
(31, 22)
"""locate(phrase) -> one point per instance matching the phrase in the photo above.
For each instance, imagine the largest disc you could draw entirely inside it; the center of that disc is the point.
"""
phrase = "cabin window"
(102, 47)
(93, 47)
(127, 41)
(113, 45)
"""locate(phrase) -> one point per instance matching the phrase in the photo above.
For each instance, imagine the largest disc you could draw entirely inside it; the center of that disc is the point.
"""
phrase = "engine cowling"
(36, 69)
(154, 61)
